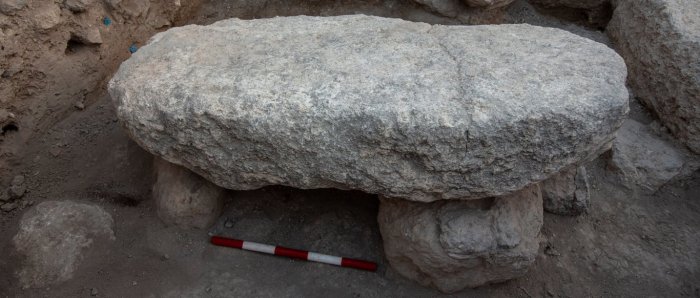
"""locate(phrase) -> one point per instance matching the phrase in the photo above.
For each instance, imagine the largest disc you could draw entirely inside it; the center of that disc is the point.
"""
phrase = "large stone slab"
(452, 245)
(405, 110)
(660, 41)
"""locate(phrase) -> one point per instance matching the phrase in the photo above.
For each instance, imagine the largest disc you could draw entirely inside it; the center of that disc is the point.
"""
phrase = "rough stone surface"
(660, 41)
(77, 5)
(53, 236)
(7, 207)
(524, 12)
(598, 12)
(585, 4)
(5, 116)
(448, 8)
(17, 187)
(386, 106)
(566, 193)
(10, 6)
(130, 8)
(452, 245)
(465, 9)
(643, 158)
(185, 199)
(89, 35)
(451, 7)
(47, 15)
(488, 3)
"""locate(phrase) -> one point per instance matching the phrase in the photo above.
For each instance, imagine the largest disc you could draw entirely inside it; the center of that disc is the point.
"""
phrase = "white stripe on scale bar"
(316, 257)
(259, 247)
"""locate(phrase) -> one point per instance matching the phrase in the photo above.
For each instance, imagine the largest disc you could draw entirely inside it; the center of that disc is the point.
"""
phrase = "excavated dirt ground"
(632, 243)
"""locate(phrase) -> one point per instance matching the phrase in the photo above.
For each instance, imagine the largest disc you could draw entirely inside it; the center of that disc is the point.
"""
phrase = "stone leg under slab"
(452, 245)
(567, 192)
(184, 198)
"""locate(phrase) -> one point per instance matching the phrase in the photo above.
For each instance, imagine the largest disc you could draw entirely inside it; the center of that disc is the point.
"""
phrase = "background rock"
(643, 158)
(185, 199)
(47, 15)
(598, 12)
(572, 3)
(660, 41)
(442, 113)
(489, 4)
(17, 187)
(77, 5)
(522, 11)
(10, 6)
(54, 235)
(452, 245)
(468, 11)
(89, 36)
(566, 193)
(59, 52)
(453, 8)
(449, 8)
(130, 8)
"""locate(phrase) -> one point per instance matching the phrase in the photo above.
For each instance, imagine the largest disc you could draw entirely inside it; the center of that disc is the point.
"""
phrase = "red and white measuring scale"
(294, 253)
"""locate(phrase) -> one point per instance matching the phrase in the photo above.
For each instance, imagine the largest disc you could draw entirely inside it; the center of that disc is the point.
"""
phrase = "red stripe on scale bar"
(291, 253)
(294, 253)
(221, 241)
(359, 264)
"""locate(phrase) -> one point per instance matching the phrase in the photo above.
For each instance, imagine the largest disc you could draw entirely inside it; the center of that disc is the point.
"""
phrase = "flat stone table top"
(386, 106)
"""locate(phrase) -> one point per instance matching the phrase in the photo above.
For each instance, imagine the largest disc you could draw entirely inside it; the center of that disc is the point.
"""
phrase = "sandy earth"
(632, 243)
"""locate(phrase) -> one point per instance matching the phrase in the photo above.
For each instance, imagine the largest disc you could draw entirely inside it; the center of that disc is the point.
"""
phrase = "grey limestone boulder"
(452, 245)
(660, 41)
(391, 107)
